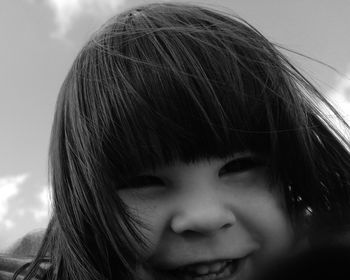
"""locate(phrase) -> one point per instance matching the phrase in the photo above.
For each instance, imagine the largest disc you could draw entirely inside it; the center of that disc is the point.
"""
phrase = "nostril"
(195, 233)
(189, 234)
(228, 225)
(205, 224)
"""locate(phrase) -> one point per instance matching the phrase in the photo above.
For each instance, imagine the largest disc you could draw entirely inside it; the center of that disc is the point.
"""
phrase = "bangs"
(172, 88)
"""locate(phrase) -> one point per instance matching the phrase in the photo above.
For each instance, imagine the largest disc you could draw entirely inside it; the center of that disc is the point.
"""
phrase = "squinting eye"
(143, 181)
(240, 165)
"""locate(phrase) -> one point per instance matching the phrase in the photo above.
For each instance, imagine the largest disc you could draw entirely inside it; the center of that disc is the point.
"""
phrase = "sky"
(40, 39)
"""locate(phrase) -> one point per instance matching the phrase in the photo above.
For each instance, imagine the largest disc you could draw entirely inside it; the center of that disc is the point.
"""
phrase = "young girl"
(186, 146)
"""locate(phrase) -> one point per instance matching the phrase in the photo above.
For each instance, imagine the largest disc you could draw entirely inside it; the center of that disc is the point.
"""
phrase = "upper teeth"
(205, 268)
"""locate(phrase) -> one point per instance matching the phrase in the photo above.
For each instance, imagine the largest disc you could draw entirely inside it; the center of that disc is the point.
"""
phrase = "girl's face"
(212, 219)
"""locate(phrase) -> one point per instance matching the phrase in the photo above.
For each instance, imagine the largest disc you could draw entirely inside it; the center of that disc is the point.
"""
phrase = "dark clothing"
(332, 262)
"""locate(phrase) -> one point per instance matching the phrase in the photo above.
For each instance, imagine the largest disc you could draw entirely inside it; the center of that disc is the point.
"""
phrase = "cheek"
(274, 224)
(260, 208)
(265, 215)
(152, 211)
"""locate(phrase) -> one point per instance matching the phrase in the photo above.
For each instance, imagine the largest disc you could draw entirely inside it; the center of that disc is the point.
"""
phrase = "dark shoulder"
(327, 262)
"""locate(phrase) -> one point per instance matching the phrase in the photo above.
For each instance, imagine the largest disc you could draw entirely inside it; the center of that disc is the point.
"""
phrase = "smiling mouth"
(215, 270)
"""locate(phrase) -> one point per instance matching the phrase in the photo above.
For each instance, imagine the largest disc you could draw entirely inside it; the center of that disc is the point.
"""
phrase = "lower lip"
(230, 272)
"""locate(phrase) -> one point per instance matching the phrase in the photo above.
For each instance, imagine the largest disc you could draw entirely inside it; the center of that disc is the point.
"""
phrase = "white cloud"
(66, 11)
(20, 212)
(8, 189)
(341, 95)
(9, 224)
(43, 212)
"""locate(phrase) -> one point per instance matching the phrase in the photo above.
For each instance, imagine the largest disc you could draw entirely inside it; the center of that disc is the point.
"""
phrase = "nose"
(203, 218)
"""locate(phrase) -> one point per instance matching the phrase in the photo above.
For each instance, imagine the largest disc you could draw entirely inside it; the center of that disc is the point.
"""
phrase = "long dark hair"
(173, 81)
